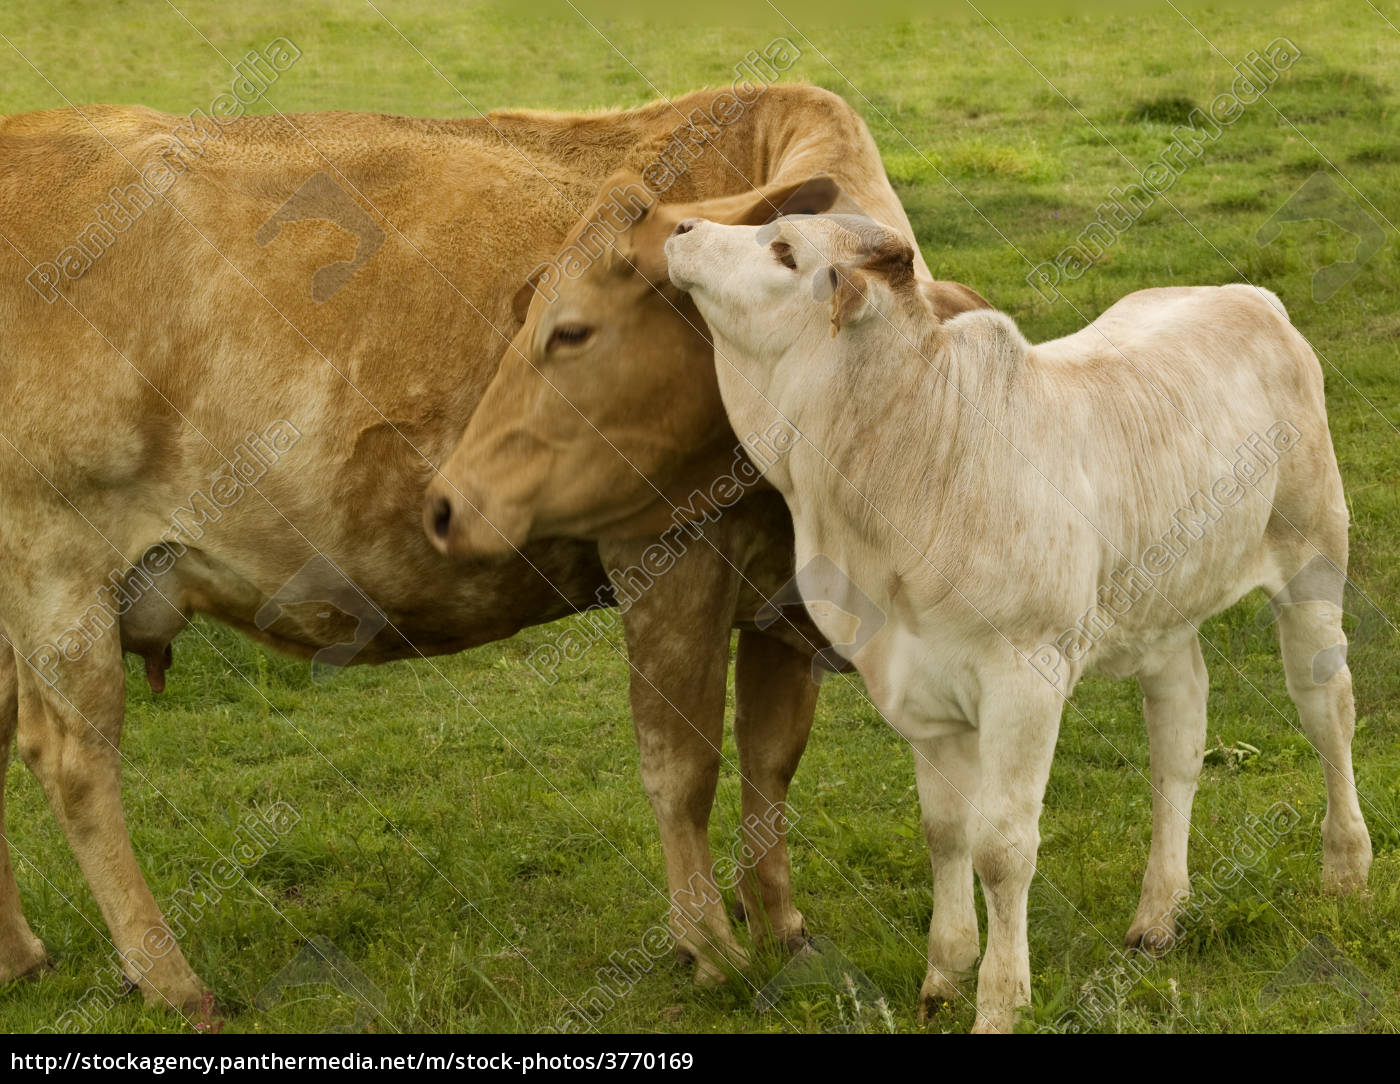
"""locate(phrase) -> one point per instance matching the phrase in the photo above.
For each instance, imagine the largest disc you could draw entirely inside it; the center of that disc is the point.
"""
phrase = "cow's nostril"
(442, 518)
(686, 226)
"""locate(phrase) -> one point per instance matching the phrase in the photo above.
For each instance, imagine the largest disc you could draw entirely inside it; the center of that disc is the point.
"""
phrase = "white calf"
(1021, 513)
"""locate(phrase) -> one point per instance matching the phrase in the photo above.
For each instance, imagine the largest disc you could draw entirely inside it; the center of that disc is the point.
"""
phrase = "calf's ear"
(849, 300)
(948, 299)
(887, 259)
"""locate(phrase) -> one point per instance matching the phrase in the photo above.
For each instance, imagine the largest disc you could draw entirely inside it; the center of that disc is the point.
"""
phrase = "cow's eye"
(569, 335)
(782, 252)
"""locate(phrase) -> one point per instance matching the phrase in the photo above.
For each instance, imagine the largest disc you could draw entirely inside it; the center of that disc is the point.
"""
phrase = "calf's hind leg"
(20, 951)
(1174, 706)
(1319, 684)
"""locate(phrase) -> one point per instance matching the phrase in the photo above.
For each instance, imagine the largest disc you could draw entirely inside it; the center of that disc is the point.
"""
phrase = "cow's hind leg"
(1174, 705)
(70, 723)
(1309, 615)
(947, 773)
(20, 951)
(776, 699)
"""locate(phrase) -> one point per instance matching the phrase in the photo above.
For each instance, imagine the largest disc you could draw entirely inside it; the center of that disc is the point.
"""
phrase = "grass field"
(475, 894)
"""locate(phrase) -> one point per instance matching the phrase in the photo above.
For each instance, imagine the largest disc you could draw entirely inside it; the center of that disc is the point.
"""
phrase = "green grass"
(479, 891)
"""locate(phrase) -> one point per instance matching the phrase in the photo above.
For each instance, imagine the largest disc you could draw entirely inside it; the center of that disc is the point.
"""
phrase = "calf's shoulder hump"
(990, 335)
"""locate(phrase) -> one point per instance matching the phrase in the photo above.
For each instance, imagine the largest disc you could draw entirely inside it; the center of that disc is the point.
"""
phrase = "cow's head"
(606, 399)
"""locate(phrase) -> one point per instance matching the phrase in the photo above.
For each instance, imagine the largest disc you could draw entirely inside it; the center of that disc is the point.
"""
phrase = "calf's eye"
(782, 252)
(569, 335)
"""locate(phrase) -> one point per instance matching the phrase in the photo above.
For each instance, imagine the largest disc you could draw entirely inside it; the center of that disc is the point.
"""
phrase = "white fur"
(985, 493)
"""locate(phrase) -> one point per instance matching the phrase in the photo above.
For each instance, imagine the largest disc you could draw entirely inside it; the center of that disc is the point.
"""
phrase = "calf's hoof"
(937, 994)
(1152, 936)
(1343, 875)
(1346, 855)
(998, 1022)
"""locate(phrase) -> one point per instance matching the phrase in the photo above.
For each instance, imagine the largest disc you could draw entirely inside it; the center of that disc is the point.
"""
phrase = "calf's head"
(763, 290)
(606, 397)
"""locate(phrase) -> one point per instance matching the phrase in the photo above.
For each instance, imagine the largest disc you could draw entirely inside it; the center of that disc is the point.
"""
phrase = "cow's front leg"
(70, 724)
(677, 626)
(776, 699)
(1174, 705)
(20, 951)
(1017, 722)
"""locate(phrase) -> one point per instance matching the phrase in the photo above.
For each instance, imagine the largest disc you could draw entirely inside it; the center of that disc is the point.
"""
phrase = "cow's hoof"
(1154, 936)
(28, 959)
(794, 942)
(708, 976)
(799, 944)
(710, 973)
(185, 994)
(789, 936)
(204, 1015)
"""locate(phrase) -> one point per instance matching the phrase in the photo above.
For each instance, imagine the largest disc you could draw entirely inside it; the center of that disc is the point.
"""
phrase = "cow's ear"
(520, 304)
(624, 198)
(816, 195)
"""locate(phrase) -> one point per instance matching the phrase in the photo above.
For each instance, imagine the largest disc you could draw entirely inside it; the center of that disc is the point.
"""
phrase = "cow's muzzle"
(462, 524)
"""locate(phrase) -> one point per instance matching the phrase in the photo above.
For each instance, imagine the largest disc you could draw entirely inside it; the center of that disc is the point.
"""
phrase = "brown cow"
(234, 354)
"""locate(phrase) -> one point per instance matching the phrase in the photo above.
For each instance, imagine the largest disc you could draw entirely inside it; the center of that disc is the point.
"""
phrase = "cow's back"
(180, 322)
(348, 274)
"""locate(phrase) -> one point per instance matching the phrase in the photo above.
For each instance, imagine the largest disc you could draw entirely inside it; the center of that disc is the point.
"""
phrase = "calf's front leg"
(947, 773)
(1017, 722)
(1174, 706)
